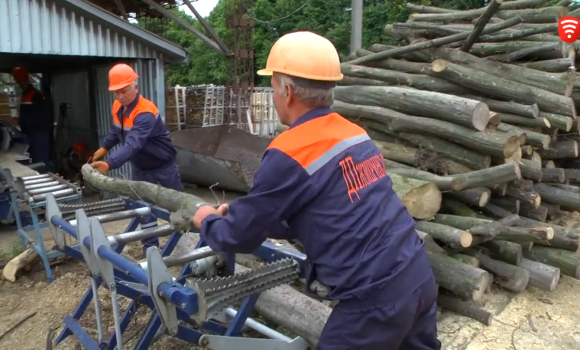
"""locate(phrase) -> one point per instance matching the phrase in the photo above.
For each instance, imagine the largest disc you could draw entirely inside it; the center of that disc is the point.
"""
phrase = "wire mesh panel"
(213, 112)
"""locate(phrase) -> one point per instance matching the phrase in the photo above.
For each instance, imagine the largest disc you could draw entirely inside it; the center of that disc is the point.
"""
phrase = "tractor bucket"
(219, 154)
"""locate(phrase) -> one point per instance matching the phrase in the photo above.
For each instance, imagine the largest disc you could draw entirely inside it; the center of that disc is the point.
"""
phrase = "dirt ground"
(531, 320)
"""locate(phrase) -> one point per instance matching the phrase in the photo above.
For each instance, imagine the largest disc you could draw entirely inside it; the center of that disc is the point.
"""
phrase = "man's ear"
(289, 94)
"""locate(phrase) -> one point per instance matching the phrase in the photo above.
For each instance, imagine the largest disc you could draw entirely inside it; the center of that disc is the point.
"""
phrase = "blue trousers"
(167, 177)
(406, 324)
(39, 146)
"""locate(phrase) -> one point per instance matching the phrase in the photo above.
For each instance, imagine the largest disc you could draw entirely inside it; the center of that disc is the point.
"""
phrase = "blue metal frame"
(184, 298)
(23, 229)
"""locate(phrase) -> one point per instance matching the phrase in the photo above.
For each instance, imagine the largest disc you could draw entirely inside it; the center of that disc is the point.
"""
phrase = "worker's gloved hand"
(202, 213)
(101, 167)
(181, 221)
(320, 289)
(99, 154)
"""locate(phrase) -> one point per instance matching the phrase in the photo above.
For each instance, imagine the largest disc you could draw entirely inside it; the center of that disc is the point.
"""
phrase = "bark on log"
(466, 281)
(494, 143)
(523, 34)
(22, 260)
(540, 213)
(510, 204)
(524, 121)
(466, 259)
(528, 50)
(459, 208)
(471, 14)
(508, 252)
(569, 188)
(558, 121)
(556, 175)
(511, 277)
(524, 235)
(377, 114)
(486, 177)
(444, 183)
(451, 150)
(564, 237)
(531, 170)
(432, 43)
(476, 196)
(464, 308)
(559, 150)
(554, 82)
(462, 111)
(568, 262)
(422, 199)
(529, 111)
(542, 276)
(430, 243)
(350, 81)
(558, 196)
(391, 77)
(495, 211)
(532, 198)
(542, 15)
(490, 10)
(444, 233)
(572, 175)
(504, 88)
(486, 228)
(554, 66)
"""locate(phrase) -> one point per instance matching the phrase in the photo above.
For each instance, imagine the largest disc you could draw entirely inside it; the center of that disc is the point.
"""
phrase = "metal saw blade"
(215, 294)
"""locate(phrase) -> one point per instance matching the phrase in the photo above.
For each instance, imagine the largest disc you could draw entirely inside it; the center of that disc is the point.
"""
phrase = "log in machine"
(187, 306)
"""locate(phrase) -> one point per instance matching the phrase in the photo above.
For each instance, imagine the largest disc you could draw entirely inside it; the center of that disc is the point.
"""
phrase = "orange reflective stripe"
(142, 106)
(315, 142)
(28, 96)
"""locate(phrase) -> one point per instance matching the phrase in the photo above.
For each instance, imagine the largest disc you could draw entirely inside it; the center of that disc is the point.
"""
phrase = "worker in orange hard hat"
(323, 183)
(139, 129)
(34, 117)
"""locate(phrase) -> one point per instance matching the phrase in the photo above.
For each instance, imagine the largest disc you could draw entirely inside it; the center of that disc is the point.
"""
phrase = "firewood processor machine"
(207, 304)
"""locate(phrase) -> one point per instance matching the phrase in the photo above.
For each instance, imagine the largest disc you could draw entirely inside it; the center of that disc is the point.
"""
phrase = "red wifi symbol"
(569, 29)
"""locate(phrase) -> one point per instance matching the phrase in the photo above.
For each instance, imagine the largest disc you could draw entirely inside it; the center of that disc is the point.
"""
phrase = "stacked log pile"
(475, 114)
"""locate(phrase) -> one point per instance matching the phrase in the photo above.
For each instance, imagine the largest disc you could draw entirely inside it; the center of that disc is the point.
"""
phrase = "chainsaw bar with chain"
(92, 209)
(215, 294)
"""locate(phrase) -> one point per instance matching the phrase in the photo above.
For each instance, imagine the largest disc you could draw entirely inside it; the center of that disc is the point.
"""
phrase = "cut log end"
(466, 239)
(481, 116)
(484, 198)
(512, 147)
(438, 66)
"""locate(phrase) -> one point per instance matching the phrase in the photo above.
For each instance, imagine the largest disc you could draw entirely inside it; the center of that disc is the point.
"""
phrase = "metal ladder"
(213, 110)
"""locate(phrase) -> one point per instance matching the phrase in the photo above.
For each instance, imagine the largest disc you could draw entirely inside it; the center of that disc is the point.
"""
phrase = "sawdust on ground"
(533, 320)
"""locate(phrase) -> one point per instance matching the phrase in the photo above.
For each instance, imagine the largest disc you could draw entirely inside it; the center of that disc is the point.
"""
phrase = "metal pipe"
(34, 177)
(37, 181)
(64, 225)
(46, 189)
(124, 238)
(122, 215)
(56, 194)
(41, 185)
(184, 258)
(260, 328)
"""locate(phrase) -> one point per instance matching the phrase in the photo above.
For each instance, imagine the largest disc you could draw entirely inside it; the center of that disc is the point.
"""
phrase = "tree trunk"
(466, 259)
(350, 81)
(485, 17)
(532, 198)
(464, 308)
(559, 150)
(558, 65)
(422, 199)
(558, 121)
(459, 208)
(529, 111)
(568, 262)
(451, 150)
(463, 280)
(542, 276)
(392, 77)
(554, 82)
(524, 235)
(494, 143)
(376, 114)
(508, 252)
(572, 175)
(558, 196)
(477, 197)
(531, 170)
(496, 211)
(486, 228)
(554, 175)
(524, 121)
(462, 111)
(512, 277)
(540, 213)
(504, 88)
(430, 243)
(564, 237)
(444, 183)
(510, 204)
(447, 234)
(487, 177)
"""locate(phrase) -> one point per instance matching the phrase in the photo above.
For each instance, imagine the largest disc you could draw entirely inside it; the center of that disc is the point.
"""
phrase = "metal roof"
(77, 28)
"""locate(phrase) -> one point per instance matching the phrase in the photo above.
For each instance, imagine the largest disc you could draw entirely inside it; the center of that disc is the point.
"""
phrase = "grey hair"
(312, 96)
(134, 84)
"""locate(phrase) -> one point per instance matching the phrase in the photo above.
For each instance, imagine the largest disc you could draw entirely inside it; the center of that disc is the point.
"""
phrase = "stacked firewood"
(475, 114)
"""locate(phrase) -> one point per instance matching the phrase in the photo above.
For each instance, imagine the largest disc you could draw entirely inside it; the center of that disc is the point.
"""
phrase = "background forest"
(274, 18)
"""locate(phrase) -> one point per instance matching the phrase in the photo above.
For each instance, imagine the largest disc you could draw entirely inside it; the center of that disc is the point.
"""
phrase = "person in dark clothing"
(144, 140)
(34, 119)
(323, 182)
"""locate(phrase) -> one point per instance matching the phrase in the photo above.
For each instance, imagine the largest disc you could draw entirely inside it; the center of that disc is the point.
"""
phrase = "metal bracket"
(138, 287)
(52, 209)
(219, 342)
(83, 231)
(158, 274)
(98, 239)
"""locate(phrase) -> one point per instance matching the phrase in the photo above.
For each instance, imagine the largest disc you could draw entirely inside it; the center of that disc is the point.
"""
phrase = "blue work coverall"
(323, 182)
(35, 122)
(146, 143)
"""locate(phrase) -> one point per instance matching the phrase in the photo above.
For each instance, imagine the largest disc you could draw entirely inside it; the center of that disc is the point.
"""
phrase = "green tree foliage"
(274, 18)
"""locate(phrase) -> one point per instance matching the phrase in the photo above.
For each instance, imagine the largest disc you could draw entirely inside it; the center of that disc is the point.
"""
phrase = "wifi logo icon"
(569, 29)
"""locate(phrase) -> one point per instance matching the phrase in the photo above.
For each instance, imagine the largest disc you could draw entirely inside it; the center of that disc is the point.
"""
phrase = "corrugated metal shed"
(77, 28)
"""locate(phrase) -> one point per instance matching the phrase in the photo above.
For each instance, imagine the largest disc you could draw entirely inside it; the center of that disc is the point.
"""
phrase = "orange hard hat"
(20, 73)
(80, 147)
(304, 55)
(121, 76)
